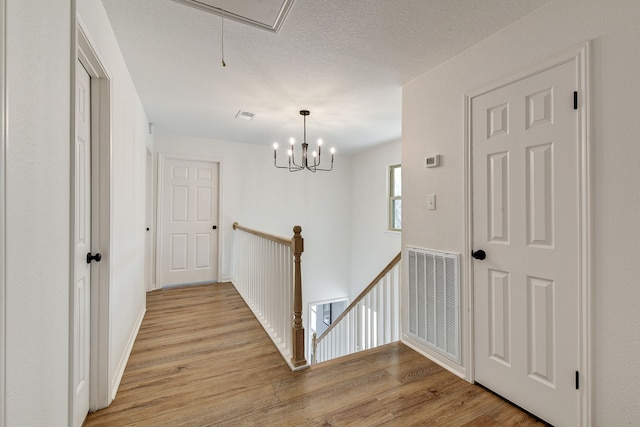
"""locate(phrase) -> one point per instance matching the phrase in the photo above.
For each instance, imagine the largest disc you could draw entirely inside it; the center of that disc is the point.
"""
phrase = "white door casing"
(100, 394)
(149, 255)
(528, 209)
(82, 240)
(188, 242)
(3, 168)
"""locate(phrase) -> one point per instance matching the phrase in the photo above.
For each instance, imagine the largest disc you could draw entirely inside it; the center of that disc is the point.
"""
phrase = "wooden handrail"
(272, 237)
(359, 298)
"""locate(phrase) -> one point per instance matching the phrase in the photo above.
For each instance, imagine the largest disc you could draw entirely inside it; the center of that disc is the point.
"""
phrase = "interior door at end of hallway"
(189, 232)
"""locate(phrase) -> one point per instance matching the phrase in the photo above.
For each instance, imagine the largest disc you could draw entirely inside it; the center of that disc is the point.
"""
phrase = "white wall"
(372, 245)
(38, 204)
(257, 195)
(3, 107)
(37, 212)
(433, 122)
(129, 136)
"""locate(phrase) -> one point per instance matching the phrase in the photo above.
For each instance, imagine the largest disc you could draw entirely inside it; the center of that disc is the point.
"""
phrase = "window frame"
(392, 198)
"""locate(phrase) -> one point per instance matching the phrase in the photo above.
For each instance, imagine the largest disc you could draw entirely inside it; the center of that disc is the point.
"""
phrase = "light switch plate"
(431, 202)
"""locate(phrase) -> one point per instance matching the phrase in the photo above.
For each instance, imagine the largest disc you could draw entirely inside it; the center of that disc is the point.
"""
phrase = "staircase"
(266, 272)
(371, 320)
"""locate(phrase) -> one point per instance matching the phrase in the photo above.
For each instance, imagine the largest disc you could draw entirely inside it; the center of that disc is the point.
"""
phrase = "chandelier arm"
(293, 166)
(275, 163)
(292, 161)
(302, 164)
(315, 162)
(324, 169)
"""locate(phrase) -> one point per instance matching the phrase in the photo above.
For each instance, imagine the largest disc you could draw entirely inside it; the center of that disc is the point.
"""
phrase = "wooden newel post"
(297, 336)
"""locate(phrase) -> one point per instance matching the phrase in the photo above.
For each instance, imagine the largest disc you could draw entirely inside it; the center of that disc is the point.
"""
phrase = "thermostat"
(432, 162)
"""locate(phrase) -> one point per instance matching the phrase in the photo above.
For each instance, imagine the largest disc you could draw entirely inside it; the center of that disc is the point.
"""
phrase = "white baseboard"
(435, 357)
(117, 377)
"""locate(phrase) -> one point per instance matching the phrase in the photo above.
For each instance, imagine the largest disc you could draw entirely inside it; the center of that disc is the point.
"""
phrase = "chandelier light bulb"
(289, 152)
(314, 154)
(333, 150)
(292, 141)
(275, 145)
(319, 142)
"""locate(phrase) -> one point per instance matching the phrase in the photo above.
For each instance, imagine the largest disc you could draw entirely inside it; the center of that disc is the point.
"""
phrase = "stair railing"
(267, 274)
(371, 320)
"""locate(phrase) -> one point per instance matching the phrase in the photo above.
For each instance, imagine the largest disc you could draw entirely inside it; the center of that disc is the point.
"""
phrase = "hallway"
(202, 359)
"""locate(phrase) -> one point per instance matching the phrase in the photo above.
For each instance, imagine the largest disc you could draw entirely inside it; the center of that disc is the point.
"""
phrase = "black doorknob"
(97, 257)
(479, 254)
(215, 227)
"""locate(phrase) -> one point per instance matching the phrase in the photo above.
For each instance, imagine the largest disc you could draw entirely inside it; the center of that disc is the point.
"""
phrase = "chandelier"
(312, 164)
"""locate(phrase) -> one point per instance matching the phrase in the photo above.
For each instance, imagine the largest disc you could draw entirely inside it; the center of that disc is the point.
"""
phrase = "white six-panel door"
(189, 218)
(82, 237)
(525, 160)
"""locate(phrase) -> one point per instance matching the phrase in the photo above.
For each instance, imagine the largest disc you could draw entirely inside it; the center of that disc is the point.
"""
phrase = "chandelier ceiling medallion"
(312, 164)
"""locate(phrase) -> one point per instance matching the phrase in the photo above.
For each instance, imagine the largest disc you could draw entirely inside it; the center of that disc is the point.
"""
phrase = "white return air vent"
(434, 300)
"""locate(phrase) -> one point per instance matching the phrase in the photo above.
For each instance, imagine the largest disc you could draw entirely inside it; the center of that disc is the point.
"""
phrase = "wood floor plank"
(312, 405)
(368, 412)
(418, 394)
(326, 376)
(202, 359)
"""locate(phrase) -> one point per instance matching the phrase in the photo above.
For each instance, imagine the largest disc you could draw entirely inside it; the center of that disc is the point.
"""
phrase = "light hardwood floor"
(202, 359)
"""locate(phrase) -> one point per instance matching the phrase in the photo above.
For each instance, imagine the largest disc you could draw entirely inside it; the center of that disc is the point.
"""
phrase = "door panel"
(203, 251)
(179, 203)
(203, 204)
(498, 206)
(541, 325)
(179, 252)
(500, 317)
(525, 216)
(539, 208)
(189, 241)
(82, 237)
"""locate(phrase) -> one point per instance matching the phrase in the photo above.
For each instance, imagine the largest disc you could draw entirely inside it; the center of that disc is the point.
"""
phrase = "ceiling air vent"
(244, 115)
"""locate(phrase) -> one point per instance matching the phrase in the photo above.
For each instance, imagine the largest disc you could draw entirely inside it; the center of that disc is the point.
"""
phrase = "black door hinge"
(575, 100)
(577, 380)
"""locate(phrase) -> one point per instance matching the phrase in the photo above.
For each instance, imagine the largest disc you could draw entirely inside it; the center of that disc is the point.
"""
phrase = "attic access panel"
(267, 15)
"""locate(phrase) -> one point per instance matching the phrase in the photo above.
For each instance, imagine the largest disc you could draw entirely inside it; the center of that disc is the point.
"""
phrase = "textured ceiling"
(345, 60)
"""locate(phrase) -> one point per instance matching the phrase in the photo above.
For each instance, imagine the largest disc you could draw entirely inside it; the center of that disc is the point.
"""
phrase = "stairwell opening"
(321, 315)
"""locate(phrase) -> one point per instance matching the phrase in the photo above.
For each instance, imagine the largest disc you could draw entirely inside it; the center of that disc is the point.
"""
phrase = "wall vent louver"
(434, 300)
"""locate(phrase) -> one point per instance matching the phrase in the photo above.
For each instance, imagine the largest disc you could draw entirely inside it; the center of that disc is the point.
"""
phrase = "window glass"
(397, 181)
(395, 197)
